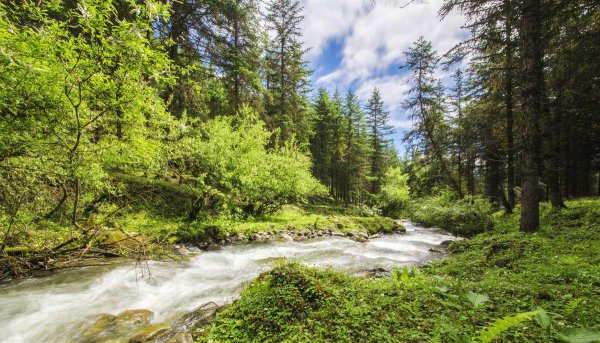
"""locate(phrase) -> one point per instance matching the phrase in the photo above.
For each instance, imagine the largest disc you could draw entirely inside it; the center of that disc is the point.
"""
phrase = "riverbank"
(141, 235)
(544, 285)
(92, 304)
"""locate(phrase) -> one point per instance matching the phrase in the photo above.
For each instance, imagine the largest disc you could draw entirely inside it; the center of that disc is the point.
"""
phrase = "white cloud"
(375, 38)
(329, 19)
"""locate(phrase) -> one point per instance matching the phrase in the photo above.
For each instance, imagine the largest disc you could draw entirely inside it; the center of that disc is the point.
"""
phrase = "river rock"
(100, 326)
(358, 236)
(400, 229)
(377, 235)
(134, 318)
(446, 243)
(378, 273)
(150, 333)
(337, 234)
(199, 316)
(287, 237)
(182, 337)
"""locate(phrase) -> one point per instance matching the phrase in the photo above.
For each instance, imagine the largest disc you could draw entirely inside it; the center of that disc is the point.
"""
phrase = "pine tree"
(287, 75)
(357, 151)
(378, 132)
(426, 108)
(240, 53)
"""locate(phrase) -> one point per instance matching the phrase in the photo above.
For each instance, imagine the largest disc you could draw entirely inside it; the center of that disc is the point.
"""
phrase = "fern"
(571, 306)
(500, 325)
(579, 336)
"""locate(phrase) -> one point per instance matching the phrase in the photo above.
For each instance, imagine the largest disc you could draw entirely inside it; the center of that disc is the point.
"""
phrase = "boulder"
(400, 229)
(358, 236)
(150, 333)
(100, 327)
(134, 318)
(287, 237)
(182, 337)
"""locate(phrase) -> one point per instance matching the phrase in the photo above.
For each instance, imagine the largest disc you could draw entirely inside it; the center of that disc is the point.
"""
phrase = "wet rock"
(212, 247)
(182, 337)
(377, 235)
(337, 234)
(102, 325)
(400, 229)
(358, 236)
(150, 333)
(379, 273)
(199, 316)
(446, 243)
(287, 237)
(134, 318)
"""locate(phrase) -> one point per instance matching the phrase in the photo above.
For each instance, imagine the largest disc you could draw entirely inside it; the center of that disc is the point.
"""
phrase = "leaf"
(580, 335)
(571, 306)
(477, 300)
(498, 326)
(544, 320)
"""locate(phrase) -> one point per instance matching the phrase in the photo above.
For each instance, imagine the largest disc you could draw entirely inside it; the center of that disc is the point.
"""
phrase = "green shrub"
(463, 217)
(228, 167)
(395, 193)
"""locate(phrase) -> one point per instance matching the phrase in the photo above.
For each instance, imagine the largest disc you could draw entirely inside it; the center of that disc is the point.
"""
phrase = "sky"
(360, 44)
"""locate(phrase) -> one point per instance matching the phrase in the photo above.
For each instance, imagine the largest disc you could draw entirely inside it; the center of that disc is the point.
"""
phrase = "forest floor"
(545, 286)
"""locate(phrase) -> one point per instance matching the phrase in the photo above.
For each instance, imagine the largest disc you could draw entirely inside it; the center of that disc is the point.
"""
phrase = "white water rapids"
(55, 308)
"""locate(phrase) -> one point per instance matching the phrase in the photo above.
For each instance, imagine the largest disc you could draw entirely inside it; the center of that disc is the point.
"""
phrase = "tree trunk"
(532, 72)
(510, 141)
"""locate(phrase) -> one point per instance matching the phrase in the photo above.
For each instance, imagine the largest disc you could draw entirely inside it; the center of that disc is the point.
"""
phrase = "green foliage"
(395, 193)
(462, 217)
(472, 296)
(579, 336)
(227, 166)
(498, 326)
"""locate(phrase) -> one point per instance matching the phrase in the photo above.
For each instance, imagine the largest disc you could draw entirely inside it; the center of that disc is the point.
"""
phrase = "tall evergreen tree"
(240, 53)
(425, 105)
(378, 132)
(287, 72)
(357, 151)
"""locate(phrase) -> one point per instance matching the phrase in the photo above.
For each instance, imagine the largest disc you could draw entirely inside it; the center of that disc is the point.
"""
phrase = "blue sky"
(360, 45)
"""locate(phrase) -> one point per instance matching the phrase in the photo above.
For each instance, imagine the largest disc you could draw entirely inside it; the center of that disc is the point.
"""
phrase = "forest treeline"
(213, 99)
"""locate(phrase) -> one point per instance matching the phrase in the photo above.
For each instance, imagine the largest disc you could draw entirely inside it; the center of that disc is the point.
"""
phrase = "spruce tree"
(287, 72)
(378, 131)
(357, 151)
(425, 105)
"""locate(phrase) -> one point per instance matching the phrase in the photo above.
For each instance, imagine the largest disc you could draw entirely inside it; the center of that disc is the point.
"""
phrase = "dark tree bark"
(532, 81)
(510, 140)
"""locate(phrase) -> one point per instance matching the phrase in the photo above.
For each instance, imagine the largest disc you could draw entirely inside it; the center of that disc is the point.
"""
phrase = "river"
(54, 308)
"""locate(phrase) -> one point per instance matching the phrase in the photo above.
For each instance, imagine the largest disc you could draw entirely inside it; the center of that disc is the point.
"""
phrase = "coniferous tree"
(240, 53)
(357, 151)
(425, 105)
(287, 72)
(378, 131)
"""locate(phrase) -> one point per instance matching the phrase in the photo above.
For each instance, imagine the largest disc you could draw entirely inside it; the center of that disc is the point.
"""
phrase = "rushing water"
(54, 308)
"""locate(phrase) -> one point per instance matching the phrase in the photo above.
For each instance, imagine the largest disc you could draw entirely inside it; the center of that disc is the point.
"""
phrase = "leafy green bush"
(395, 193)
(463, 217)
(228, 167)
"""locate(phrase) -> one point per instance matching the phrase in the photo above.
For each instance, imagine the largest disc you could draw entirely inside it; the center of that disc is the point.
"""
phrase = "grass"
(291, 216)
(496, 274)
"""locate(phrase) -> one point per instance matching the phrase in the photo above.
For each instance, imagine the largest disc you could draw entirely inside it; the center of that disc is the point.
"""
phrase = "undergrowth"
(500, 286)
